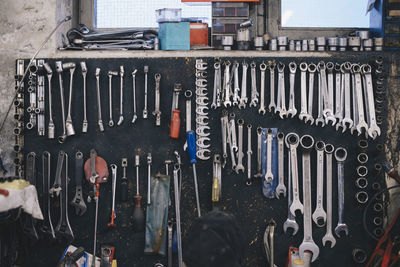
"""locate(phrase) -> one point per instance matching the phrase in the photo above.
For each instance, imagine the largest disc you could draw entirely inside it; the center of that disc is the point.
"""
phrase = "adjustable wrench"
(99, 119)
(59, 69)
(56, 188)
(303, 83)
(291, 220)
(224, 129)
(340, 156)
(134, 95)
(293, 141)
(249, 153)
(236, 87)
(46, 226)
(227, 85)
(347, 122)
(272, 105)
(68, 123)
(307, 142)
(77, 202)
(311, 69)
(330, 115)
(281, 188)
(292, 111)
(243, 92)
(146, 70)
(217, 86)
(319, 215)
(259, 141)
(281, 101)
(360, 104)
(262, 110)
(254, 93)
(157, 112)
(269, 176)
(110, 107)
(239, 166)
(51, 127)
(373, 130)
(329, 236)
(85, 121)
(114, 185)
(320, 118)
(121, 95)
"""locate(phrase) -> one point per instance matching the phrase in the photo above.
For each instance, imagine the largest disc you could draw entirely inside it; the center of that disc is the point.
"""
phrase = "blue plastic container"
(174, 35)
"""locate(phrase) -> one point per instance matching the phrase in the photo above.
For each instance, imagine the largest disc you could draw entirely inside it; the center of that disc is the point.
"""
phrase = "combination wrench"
(281, 188)
(232, 139)
(272, 105)
(121, 95)
(262, 110)
(224, 134)
(99, 119)
(353, 129)
(259, 141)
(281, 101)
(236, 88)
(249, 153)
(217, 86)
(149, 161)
(308, 244)
(113, 168)
(239, 166)
(51, 127)
(320, 118)
(157, 112)
(329, 115)
(311, 69)
(329, 236)
(340, 156)
(338, 93)
(293, 141)
(134, 118)
(227, 85)
(85, 121)
(373, 130)
(319, 215)
(110, 106)
(146, 71)
(269, 176)
(324, 89)
(292, 111)
(243, 92)
(59, 69)
(254, 93)
(303, 85)
(68, 123)
(347, 122)
(360, 104)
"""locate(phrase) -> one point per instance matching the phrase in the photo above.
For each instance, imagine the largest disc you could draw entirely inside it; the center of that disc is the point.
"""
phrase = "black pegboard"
(251, 208)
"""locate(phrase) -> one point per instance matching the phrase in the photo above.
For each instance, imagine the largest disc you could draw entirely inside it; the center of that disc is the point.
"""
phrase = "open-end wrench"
(360, 104)
(272, 105)
(303, 85)
(311, 69)
(329, 236)
(324, 88)
(292, 111)
(340, 156)
(77, 202)
(291, 220)
(99, 119)
(217, 85)
(249, 153)
(232, 131)
(281, 101)
(293, 141)
(262, 110)
(227, 85)
(319, 215)
(157, 111)
(85, 121)
(254, 93)
(110, 106)
(307, 142)
(338, 93)
(134, 95)
(146, 71)
(353, 129)
(281, 188)
(330, 116)
(113, 168)
(59, 69)
(373, 130)
(46, 226)
(121, 95)
(347, 122)
(320, 118)
(68, 123)
(259, 141)
(269, 176)
(243, 92)
(229, 141)
(240, 154)
(51, 127)
(236, 88)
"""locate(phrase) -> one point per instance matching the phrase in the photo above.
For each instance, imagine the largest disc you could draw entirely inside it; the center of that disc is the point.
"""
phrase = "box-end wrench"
(249, 153)
(262, 109)
(157, 112)
(303, 85)
(347, 122)
(360, 104)
(227, 84)
(329, 236)
(281, 101)
(217, 85)
(59, 69)
(236, 88)
(51, 127)
(110, 106)
(85, 121)
(340, 156)
(146, 71)
(259, 141)
(293, 141)
(239, 166)
(319, 215)
(292, 111)
(373, 130)
(99, 119)
(243, 92)
(68, 122)
(134, 118)
(281, 188)
(329, 111)
(291, 220)
(224, 134)
(254, 93)
(77, 202)
(272, 105)
(113, 168)
(307, 142)
(121, 95)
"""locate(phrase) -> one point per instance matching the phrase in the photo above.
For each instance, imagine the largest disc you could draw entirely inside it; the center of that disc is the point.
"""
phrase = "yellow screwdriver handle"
(215, 190)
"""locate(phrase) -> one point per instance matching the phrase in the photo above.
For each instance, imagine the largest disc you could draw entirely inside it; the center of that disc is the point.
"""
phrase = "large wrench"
(51, 127)
(249, 153)
(224, 128)
(303, 83)
(319, 215)
(254, 93)
(227, 85)
(262, 110)
(311, 69)
(68, 122)
(320, 118)
(281, 101)
(272, 105)
(46, 226)
(292, 111)
(217, 85)
(77, 202)
(373, 130)
(121, 95)
(354, 101)
(239, 166)
(236, 87)
(146, 71)
(307, 142)
(269, 176)
(293, 141)
(340, 156)
(230, 131)
(134, 95)
(259, 141)
(110, 107)
(338, 93)
(324, 88)
(157, 112)
(360, 104)
(59, 69)
(347, 122)
(85, 121)
(329, 236)
(281, 188)
(99, 119)
(243, 92)
(329, 116)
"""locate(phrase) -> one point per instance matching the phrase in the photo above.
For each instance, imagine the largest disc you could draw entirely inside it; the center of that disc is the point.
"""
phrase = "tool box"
(174, 35)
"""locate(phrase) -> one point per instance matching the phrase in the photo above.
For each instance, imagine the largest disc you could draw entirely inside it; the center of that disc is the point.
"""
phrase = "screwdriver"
(191, 142)
(138, 216)
(175, 119)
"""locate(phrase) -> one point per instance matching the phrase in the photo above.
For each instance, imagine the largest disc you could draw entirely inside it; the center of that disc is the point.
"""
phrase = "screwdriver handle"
(138, 215)
(215, 191)
(191, 142)
(175, 124)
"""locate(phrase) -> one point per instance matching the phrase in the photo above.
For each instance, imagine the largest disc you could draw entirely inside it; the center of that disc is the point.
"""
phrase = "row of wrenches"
(345, 93)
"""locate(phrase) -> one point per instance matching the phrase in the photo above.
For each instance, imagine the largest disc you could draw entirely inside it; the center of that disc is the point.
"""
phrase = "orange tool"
(175, 119)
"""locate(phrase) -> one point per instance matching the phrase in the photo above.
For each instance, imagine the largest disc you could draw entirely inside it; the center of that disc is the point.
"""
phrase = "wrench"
(347, 122)
(77, 202)
(201, 131)
(259, 138)
(99, 119)
(340, 156)
(110, 75)
(307, 142)
(85, 121)
(224, 128)
(338, 96)
(293, 141)
(290, 221)
(149, 161)
(329, 116)
(236, 98)
(360, 104)
(121, 95)
(319, 215)
(292, 111)
(157, 112)
(114, 185)
(59, 69)
(134, 95)
(254, 93)
(303, 83)
(320, 118)
(230, 129)
(272, 105)
(217, 85)
(249, 153)
(227, 94)
(243, 93)
(51, 127)
(324, 88)
(281, 188)
(262, 110)
(329, 236)
(373, 130)
(68, 123)
(46, 226)
(281, 101)
(269, 176)
(311, 69)
(239, 166)
(29, 223)
(146, 71)
(354, 100)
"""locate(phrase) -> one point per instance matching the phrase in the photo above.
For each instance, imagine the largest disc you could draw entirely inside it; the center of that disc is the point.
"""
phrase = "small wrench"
(259, 141)
(292, 111)
(99, 119)
(146, 71)
(236, 88)
(217, 84)
(303, 83)
(254, 93)
(68, 123)
(293, 141)
(239, 166)
(249, 153)
(157, 112)
(243, 92)
(121, 95)
(272, 105)
(114, 185)
(227, 84)
(51, 127)
(281, 188)
(311, 69)
(85, 121)
(262, 110)
(134, 95)
(269, 176)
(110, 75)
(59, 69)
(330, 117)
(281, 101)
(347, 122)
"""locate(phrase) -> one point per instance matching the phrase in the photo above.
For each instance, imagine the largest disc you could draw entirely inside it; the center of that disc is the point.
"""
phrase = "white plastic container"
(168, 15)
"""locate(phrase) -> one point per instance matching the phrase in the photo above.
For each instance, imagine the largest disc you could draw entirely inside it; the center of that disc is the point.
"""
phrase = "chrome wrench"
(243, 92)
(319, 215)
(99, 119)
(114, 185)
(262, 110)
(324, 89)
(51, 127)
(217, 84)
(329, 236)
(254, 93)
(272, 105)
(232, 131)
(146, 71)
(121, 95)
(149, 161)
(249, 153)
(311, 69)
(157, 112)
(292, 111)
(224, 128)
(259, 141)
(373, 130)
(227, 84)
(59, 69)
(329, 115)
(303, 85)
(281, 188)
(134, 95)
(269, 176)
(85, 121)
(229, 141)
(239, 166)
(360, 104)
(320, 118)
(68, 123)
(281, 102)
(110, 107)
(340, 156)
(347, 122)
(236, 88)
(338, 95)
(354, 101)
(293, 141)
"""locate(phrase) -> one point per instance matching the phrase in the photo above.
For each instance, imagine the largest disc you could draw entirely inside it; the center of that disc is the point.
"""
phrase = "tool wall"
(246, 201)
